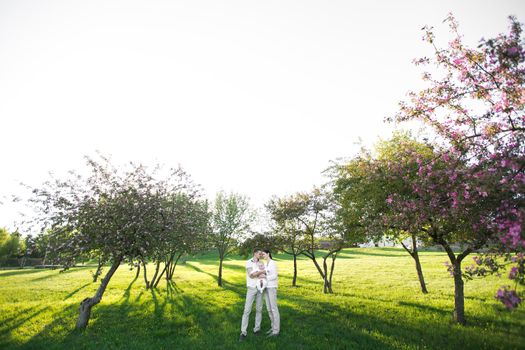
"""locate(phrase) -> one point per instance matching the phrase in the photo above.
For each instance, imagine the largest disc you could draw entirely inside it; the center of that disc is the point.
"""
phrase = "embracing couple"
(261, 280)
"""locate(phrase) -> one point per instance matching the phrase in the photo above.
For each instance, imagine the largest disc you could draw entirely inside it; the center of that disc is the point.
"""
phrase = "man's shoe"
(257, 332)
(269, 331)
(271, 335)
(242, 337)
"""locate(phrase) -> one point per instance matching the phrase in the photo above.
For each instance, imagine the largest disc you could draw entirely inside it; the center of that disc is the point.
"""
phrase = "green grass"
(376, 305)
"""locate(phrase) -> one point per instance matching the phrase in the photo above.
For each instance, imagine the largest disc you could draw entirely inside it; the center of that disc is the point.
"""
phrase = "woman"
(270, 295)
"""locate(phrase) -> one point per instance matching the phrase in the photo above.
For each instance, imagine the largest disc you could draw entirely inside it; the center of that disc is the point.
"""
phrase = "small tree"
(287, 230)
(312, 214)
(5, 238)
(112, 212)
(362, 187)
(231, 220)
(12, 245)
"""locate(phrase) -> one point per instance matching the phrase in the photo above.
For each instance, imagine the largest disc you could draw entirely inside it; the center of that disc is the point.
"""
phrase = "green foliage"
(376, 306)
(262, 241)
(231, 221)
(12, 245)
(363, 184)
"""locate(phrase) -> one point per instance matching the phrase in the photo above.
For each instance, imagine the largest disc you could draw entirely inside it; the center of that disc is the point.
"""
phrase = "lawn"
(376, 304)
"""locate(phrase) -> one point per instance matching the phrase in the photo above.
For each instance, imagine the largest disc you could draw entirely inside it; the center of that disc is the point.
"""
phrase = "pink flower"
(513, 51)
(509, 298)
(513, 273)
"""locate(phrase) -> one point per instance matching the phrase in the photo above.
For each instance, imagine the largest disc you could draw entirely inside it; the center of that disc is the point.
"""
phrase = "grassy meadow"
(376, 304)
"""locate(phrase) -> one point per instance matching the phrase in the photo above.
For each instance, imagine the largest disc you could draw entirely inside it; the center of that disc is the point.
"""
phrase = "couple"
(261, 280)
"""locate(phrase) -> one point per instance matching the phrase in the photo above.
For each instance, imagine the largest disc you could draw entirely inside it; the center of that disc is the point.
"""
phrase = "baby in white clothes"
(262, 282)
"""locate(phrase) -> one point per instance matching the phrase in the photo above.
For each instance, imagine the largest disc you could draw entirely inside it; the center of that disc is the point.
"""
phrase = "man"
(252, 275)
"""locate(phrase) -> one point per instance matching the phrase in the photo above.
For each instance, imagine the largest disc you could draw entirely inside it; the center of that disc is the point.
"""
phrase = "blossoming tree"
(475, 104)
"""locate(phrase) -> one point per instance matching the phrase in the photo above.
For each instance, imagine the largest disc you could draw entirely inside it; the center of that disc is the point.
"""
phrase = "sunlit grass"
(376, 304)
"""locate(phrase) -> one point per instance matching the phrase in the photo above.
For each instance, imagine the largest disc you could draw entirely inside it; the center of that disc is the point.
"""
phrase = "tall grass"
(377, 304)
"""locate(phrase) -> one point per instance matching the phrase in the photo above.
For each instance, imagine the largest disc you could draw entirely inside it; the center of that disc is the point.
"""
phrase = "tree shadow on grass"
(172, 288)
(413, 333)
(77, 290)
(200, 320)
(127, 291)
(12, 323)
(226, 284)
(19, 272)
(20, 318)
(197, 322)
(61, 273)
(471, 319)
(198, 269)
(233, 267)
(383, 252)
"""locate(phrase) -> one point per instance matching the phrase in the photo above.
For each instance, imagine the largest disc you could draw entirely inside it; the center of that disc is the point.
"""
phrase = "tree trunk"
(160, 276)
(170, 270)
(459, 293)
(311, 256)
(88, 303)
(45, 257)
(99, 270)
(334, 256)
(294, 280)
(219, 279)
(327, 285)
(145, 274)
(415, 255)
(138, 271)
(154, 279)
(459, 296)
(420, 273)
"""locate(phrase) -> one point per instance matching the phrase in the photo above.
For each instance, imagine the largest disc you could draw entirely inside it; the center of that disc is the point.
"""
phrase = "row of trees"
(136, 216)
(150, 217)
(466, 186)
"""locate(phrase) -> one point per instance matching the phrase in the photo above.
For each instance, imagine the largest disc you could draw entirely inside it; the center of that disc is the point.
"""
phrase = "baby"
(262, 282)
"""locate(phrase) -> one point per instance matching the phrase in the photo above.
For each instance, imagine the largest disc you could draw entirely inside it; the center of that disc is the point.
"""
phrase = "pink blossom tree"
(448, 203)
(475, 104)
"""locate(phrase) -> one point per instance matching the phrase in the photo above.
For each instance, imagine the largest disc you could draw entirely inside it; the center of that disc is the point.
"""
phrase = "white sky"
(251, 96)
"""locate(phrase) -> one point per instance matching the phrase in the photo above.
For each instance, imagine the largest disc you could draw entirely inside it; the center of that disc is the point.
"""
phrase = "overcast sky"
(249, 96)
